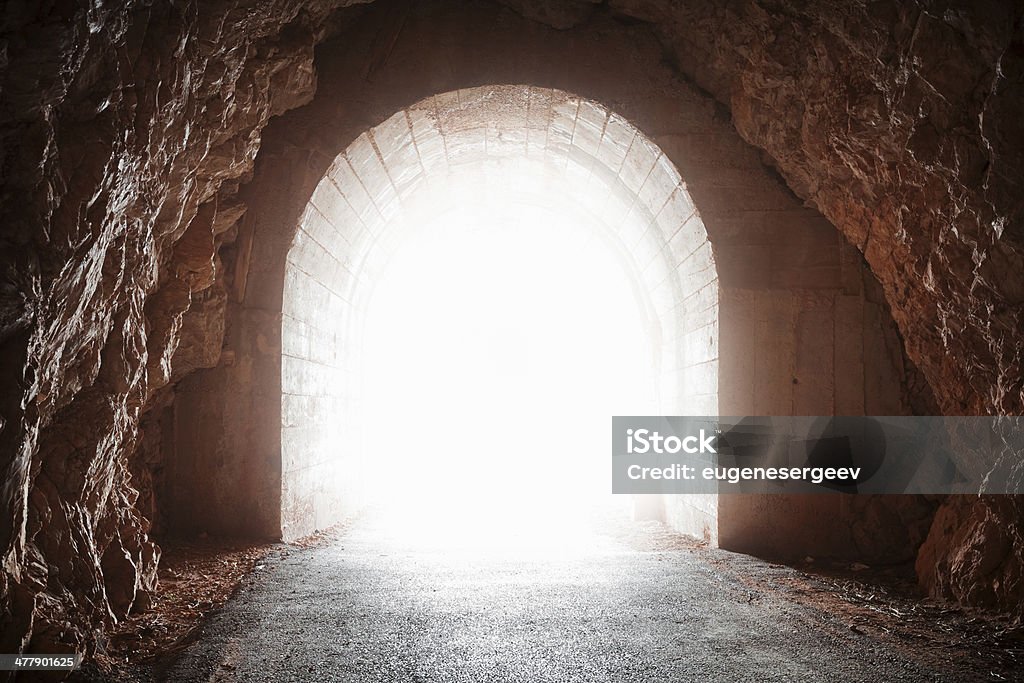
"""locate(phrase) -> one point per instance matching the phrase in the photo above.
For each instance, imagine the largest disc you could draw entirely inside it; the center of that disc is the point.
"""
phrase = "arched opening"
(545, 179)
(855, 169)
(804, 329)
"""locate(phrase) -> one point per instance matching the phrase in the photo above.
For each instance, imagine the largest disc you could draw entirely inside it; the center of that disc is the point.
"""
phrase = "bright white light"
(499, 340)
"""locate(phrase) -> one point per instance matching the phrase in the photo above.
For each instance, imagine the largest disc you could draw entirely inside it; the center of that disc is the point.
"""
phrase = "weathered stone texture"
(901, 123)
(973, 555)
(127, 129)
(119, 125)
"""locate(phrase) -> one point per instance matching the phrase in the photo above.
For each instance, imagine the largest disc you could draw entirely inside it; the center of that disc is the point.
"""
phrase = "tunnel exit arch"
(554, 148)
(802, 326)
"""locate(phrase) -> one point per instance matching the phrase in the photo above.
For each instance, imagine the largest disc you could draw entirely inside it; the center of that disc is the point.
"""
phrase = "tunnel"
(556, 151)
(786, 209)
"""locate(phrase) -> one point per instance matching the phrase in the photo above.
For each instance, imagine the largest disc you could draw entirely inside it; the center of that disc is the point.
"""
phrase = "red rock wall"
(126, 130)
(901, 123)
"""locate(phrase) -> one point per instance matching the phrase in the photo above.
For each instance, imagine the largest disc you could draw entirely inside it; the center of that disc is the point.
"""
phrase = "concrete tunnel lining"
(571, 147)
(795, 300)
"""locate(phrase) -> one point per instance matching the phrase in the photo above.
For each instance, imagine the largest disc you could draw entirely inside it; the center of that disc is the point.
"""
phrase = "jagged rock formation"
(901, 123)
(126, 131)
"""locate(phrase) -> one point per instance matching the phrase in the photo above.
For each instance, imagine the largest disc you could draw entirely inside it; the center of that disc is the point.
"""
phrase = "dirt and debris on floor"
(881, 602)
(196, 578)
(886, 603)
(878, 605)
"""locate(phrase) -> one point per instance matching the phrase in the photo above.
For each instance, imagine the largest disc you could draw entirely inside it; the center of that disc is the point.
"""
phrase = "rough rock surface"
(560, 14)
(126, 128)
(124, 131)
(973, 555)
(901, 123)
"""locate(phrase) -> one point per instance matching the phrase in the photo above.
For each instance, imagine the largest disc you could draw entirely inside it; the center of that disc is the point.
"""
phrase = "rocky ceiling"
(127, 128)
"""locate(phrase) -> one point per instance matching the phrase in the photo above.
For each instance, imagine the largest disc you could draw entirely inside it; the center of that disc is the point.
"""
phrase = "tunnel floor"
(365, 607)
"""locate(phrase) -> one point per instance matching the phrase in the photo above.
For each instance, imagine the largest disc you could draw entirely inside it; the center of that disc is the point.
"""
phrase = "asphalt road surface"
(370, 606)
